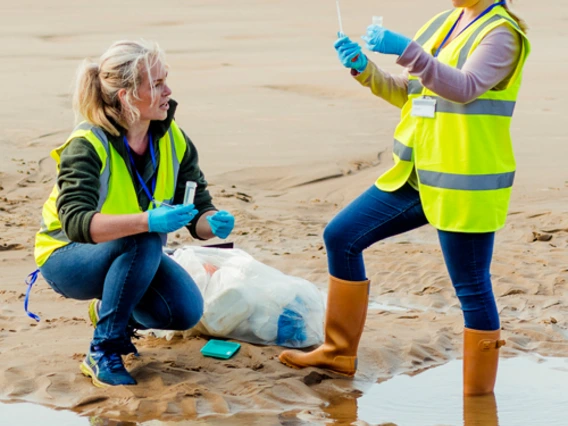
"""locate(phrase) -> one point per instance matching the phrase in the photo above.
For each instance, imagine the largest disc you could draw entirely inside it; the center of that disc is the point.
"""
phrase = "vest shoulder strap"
(94, 135)
(178, 140)
(498, 19)
(431, 27)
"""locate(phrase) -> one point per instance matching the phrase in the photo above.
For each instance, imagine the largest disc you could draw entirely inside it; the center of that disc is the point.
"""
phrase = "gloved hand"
(381, 40)
(350, 54)
(166, 219)
(222, 223)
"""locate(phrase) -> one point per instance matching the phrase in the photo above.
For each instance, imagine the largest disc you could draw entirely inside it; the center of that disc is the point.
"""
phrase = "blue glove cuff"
(405, 46)
(361, 63)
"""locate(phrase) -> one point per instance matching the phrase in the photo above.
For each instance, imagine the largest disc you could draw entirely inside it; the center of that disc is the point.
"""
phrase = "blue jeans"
(136, 282)
(376, 215)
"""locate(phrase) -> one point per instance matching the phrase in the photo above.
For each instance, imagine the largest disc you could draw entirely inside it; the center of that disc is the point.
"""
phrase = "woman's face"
(157, 108)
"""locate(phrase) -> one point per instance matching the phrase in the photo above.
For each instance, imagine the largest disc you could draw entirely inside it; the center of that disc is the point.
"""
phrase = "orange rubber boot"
(346, 313)
(480, 359)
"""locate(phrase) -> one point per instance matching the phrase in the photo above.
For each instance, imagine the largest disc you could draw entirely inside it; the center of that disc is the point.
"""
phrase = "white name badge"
(424, 107)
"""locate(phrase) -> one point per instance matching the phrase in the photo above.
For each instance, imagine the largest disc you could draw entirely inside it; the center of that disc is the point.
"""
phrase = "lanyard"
(153, 155)
(30, 281)
(481, 15)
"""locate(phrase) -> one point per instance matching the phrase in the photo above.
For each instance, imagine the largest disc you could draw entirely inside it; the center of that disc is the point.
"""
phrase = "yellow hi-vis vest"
(463, 156)
(117, 194)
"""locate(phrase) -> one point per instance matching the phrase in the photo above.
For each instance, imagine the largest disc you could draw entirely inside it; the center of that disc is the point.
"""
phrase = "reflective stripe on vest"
(120, 200)
(433, 27)
(477, 107)
(467, 182)
(463, 156)
(404, 152)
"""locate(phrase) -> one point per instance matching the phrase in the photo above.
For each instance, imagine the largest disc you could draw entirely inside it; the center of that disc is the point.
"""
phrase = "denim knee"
(181, 317)
(181, 313)
(334, 236)
(188, 316)
(149, 242)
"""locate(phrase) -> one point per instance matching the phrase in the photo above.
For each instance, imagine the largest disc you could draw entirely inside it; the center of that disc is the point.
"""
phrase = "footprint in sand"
(11, 247)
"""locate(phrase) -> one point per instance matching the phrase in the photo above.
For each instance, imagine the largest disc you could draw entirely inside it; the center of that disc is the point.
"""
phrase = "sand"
(275, 117)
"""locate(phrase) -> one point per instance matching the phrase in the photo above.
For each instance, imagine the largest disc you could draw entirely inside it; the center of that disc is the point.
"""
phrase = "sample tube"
(189, 192)
(340, 33)
(378, 21)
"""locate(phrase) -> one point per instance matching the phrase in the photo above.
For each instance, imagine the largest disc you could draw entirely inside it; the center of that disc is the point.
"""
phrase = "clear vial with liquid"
(189, 193)
(378, 21)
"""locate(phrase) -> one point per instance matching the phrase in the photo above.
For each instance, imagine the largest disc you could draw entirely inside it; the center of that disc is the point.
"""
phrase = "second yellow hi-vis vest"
(117, 194)
(463, 156)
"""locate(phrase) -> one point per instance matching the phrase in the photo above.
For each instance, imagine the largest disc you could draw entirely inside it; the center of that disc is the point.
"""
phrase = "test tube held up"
(189, 192)
(378, 21)
(340, 33)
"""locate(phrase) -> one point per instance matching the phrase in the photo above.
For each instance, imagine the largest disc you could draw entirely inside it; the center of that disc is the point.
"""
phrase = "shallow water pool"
(530, 391)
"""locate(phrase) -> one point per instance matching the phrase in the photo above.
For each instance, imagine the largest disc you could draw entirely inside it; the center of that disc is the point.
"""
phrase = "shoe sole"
(297, 367)
(88, 371)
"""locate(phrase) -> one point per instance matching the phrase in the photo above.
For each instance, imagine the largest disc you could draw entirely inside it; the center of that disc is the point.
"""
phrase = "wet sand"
(275, 117)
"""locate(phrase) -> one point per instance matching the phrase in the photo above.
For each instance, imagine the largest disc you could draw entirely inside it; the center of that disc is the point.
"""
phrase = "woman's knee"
(148, 242)
(179, 311)
(189, 309)
(188, 317)
(334, 236)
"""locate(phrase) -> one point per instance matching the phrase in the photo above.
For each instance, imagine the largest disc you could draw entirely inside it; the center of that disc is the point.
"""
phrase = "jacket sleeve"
(78, 182)
(490, 64)
(392, 88)
(190, 171)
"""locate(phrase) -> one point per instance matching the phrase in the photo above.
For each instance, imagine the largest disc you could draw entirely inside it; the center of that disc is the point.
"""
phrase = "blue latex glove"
(222, 223)
(381, 40)
(166, 219)
(350, 54)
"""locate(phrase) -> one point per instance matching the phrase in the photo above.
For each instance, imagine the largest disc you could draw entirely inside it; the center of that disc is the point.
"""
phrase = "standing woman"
(454, 168)
(120, 188)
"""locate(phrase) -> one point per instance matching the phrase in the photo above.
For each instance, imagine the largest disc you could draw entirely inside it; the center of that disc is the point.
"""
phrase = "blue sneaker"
(105, 369)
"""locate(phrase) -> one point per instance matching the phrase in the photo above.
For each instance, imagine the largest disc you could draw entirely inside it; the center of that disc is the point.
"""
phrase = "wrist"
(199, 227)
(362, 65)
(144, 222)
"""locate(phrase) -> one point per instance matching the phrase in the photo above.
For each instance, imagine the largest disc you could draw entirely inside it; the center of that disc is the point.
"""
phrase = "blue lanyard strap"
(142, 183)
(481, 15)
(30, 281)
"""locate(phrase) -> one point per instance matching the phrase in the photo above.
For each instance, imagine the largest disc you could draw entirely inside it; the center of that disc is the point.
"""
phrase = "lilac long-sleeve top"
(490, 66)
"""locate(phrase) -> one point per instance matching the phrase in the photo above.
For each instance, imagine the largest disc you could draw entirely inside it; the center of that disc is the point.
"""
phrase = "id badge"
(424, 107)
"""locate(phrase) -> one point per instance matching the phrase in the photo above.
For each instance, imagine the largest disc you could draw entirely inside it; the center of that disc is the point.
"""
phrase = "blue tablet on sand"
(220, 349)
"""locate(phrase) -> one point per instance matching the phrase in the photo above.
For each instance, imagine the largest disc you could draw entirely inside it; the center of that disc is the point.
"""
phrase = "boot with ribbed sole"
(480, 360)
(347, 303)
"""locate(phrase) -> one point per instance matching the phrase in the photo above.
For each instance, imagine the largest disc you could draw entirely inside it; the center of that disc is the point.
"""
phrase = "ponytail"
(522, 24)
(88, 97)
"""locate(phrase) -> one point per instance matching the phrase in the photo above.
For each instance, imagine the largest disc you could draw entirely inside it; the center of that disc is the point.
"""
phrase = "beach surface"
(286, 139)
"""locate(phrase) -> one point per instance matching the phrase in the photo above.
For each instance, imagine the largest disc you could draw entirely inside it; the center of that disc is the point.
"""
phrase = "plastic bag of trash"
(250, 301)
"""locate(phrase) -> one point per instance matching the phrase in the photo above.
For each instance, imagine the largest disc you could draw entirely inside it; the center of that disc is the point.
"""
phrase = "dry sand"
(275, 117)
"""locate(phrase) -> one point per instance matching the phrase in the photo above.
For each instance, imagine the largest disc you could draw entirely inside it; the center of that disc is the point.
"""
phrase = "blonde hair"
(522, 24)
(97, 84)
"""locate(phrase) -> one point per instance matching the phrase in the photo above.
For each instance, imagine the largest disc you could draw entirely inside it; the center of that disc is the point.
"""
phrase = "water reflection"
(477, 411)
(343, 411)
(528, 390)
(480, 411)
